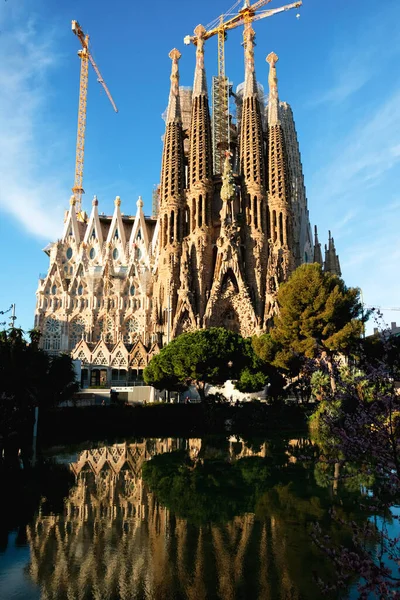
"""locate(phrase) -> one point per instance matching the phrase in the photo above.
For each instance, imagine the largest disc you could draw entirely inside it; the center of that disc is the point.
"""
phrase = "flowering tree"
(365, 430)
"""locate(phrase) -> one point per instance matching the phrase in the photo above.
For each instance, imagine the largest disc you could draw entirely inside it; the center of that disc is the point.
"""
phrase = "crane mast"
(220, 88)
(85, 57)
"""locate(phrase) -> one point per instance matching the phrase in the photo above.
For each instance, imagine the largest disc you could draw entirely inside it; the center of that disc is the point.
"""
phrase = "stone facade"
(221, 245)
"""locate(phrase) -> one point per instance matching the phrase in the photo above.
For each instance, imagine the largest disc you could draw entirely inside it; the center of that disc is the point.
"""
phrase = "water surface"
(160, 519)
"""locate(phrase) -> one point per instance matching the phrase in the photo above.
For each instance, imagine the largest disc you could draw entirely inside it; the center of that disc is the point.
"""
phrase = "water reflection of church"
(115, 540)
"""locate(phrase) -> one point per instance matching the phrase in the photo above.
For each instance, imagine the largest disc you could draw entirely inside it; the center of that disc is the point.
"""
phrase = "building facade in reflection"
(115, 540)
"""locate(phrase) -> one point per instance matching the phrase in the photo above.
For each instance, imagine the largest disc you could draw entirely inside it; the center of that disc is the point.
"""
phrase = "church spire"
(251, 134)
(200, 81)
(200, 153)
(280, 218)
(250, 82)
(331, 264)
(172, 172)
(273, 102)
(174, 108)
(317, 248)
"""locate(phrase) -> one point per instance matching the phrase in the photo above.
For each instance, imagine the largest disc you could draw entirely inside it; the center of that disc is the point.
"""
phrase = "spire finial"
(95, 202)
(200, 82)
(174, 109)
(250, 83)
(139, 202)
(273, 102)
(72, 200)
(117, 201)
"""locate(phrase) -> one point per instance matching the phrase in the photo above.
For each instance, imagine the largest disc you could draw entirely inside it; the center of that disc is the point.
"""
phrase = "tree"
(29, 377)
(319, 317)
(364, 429)
(267, 349)
(205, 356)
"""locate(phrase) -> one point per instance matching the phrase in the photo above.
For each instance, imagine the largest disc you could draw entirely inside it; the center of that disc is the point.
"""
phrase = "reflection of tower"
(115, 540)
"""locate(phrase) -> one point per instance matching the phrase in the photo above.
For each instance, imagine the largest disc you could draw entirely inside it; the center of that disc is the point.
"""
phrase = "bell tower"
(171, 211)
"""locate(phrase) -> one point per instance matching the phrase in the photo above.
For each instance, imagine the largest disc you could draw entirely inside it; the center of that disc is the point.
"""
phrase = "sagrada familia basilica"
(120, 287)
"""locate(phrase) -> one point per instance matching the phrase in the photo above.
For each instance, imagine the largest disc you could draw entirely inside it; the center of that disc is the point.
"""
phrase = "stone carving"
(218, 250)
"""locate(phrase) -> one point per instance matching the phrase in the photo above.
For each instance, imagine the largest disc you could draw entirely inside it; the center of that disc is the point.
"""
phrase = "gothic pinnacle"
(273, 118)
(250, 83)
(200, 81)
(317, 248)
(174, 109)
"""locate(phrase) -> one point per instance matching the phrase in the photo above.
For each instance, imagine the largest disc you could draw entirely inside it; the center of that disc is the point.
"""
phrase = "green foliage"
(205, 356)
(318, 314)
(29, 377)
(320, 384)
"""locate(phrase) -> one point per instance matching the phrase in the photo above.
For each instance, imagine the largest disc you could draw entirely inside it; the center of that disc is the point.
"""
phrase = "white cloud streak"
(30, 189)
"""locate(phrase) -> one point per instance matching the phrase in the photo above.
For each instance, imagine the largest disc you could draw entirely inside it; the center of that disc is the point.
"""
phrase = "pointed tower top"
(317, 248)
(72, 201)
(273, 102)
(228, 183)
(250, 83)
(174, 108)
(117, 201)
(139, 202)
(200, 81)
(95, 202)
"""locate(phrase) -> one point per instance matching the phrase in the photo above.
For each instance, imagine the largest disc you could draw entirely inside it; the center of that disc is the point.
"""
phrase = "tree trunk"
(200, 387)
(327, 358)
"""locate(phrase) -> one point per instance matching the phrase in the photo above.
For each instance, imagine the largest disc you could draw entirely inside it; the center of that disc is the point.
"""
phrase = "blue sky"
(338, 69)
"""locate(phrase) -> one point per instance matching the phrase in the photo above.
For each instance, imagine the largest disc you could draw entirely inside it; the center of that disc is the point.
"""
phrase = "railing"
(118, 383)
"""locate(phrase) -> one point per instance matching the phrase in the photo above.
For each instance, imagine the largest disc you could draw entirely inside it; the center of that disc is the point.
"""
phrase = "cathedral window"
(187, 221)
(80, 290)
(139, 235)
(115, 253)
(54, 290)
(93, 234)
(77, 331)
(131, 330)
(255, 212)
(281, 228)
(69, 253)
(138, 254)
(92, 253)
(193, 214)
(165, 233)
(171, 226)
(200, 210)
(52, 334)
(116, 235)
(132, 290)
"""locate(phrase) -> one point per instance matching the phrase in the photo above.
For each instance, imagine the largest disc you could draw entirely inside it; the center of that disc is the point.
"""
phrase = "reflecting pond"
(195, 519)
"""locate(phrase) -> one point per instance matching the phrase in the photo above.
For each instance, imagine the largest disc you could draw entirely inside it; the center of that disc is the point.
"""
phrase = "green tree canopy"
(30, 377)
(206, 356)
(319, 316)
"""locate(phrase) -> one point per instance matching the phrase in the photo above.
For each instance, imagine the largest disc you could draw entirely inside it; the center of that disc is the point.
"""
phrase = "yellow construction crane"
(245, 16)
(85, 57)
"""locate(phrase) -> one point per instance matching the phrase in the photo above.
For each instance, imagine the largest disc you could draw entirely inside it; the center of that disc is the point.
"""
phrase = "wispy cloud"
(349, 78)
(357, 58)
(30, 189)
(362, 158)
